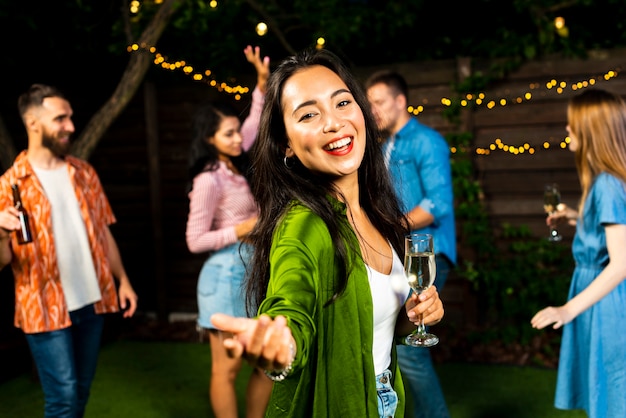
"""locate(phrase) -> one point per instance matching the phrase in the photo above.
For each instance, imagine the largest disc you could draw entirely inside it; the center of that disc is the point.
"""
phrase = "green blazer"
(333, 372)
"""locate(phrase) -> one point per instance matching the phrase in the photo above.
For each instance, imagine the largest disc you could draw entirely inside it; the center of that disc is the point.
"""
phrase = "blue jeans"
(66, 362)
(387, 396)
(418, 372)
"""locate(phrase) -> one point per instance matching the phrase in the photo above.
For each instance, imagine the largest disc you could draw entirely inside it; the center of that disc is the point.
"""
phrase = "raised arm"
(250, 126)
(262, 66)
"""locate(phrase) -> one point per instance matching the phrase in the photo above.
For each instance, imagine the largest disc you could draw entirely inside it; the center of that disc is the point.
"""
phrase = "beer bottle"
(23, 234)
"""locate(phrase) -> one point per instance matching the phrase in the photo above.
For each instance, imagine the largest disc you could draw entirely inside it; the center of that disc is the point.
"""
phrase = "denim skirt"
(220, 285)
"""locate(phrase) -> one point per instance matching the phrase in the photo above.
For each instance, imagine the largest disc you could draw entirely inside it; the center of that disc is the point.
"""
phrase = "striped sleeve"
(204, 201)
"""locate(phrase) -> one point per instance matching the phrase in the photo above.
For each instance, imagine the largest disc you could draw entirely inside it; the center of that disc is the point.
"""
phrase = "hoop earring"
(287, 164)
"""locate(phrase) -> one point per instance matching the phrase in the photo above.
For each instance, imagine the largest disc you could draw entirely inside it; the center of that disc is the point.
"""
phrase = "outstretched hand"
(262, 66)
(558, 316)
(264, 342)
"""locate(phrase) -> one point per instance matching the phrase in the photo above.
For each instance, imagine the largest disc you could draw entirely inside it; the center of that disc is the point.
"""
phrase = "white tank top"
(389, 292)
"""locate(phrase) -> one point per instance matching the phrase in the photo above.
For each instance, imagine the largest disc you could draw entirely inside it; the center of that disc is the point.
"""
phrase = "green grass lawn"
(170, 380)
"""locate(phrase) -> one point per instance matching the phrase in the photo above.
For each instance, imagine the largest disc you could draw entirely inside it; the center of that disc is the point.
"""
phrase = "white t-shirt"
(74, 259)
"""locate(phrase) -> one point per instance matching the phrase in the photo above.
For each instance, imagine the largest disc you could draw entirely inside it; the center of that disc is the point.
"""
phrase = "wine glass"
(552, 199)
(419, 270)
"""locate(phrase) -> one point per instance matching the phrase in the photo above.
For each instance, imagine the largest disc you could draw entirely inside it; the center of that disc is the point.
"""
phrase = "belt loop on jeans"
(384, 377)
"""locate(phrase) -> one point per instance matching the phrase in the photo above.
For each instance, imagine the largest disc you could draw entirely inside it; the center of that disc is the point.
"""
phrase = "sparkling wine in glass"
(552, 199)
(420, 270)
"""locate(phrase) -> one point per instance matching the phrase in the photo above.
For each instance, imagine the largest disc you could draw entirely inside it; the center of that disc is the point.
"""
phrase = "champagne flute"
(552, 199)
(420, 270)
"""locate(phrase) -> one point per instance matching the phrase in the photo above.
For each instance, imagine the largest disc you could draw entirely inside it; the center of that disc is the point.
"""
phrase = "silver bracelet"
(280, 375)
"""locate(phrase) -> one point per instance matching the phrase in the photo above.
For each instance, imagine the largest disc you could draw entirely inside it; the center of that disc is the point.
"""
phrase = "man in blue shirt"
(418, 158)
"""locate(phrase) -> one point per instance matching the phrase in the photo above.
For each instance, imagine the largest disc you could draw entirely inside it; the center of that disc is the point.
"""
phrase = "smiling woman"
(324, 241)
(328, 125)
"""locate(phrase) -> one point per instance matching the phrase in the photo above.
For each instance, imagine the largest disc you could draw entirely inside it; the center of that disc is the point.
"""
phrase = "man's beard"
(385, 132)
(56, 147)
(384, 128)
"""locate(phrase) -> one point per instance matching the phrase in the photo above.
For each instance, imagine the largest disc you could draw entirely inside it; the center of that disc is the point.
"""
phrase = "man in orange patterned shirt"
(64, 278)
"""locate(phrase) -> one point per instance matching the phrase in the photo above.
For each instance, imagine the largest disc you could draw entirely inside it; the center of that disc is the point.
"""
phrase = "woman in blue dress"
(592, 362)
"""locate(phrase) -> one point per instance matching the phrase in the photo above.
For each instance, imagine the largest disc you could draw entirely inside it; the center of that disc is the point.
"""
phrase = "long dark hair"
(274, 185)
(202, 155)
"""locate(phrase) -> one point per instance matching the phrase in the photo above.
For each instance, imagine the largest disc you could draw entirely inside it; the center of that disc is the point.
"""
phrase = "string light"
(480, 99)
(525, 148)
(134, 7)
(261, 28)
(203, 76)
(469, 99)
(553, 85)
(561, 29)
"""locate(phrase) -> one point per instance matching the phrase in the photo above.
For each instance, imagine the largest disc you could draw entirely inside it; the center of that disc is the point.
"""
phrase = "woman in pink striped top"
(222, 212)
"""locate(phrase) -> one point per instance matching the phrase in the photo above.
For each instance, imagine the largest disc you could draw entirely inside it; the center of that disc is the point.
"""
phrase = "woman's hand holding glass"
(427, 303)
(551, 200)
(420, 271)
(562, 214)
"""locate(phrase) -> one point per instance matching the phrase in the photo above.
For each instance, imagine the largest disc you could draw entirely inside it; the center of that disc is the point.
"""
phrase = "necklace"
(380, 247)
